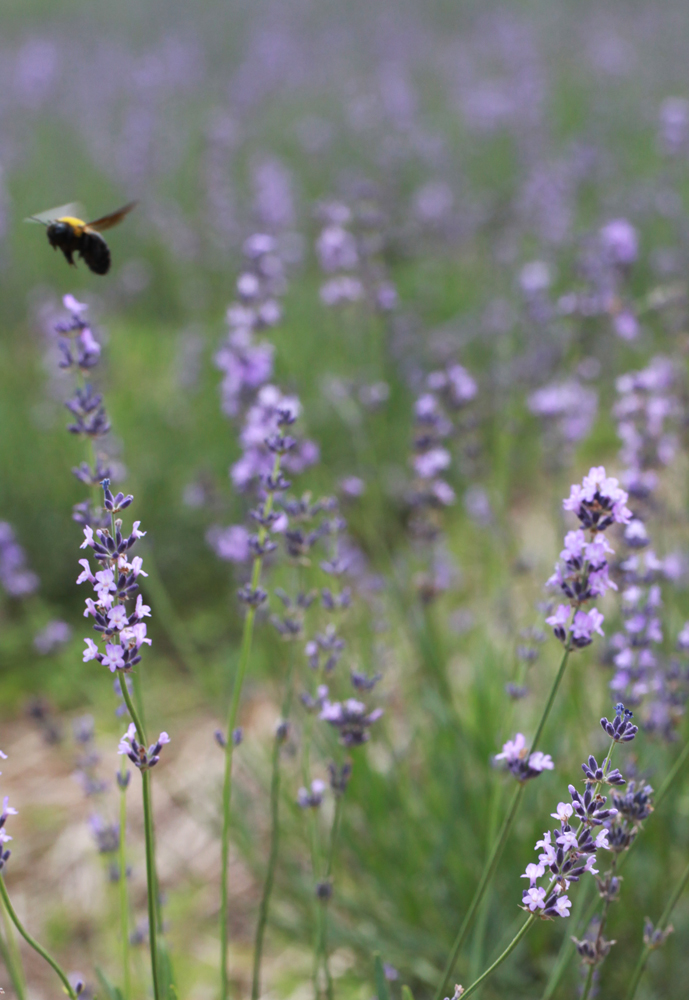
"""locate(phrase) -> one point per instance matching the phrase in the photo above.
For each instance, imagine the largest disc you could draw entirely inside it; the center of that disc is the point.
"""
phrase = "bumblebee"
(72, 235)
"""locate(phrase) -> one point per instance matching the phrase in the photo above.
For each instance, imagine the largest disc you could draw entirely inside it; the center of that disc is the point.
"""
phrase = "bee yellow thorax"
(77, 224)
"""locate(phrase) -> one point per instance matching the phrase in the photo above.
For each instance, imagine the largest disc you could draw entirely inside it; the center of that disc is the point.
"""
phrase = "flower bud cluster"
(351, 719)
(141, 757)
(583, 573)
(123, 631)
(522, 764)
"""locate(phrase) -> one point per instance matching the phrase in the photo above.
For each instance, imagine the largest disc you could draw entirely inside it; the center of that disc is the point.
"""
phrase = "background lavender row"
(474, 282)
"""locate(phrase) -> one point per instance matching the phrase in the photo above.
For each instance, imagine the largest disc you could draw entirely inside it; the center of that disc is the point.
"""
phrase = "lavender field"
(344, 538)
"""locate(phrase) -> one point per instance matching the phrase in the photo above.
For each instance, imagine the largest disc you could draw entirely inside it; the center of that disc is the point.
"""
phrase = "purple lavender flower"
(7, 810)
(311, 799)
(141, 757)
(583, 573)
(520, 763)
(124, 632)
(351, 719)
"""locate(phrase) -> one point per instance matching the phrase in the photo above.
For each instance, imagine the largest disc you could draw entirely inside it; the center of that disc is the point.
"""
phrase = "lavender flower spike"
(583, 573)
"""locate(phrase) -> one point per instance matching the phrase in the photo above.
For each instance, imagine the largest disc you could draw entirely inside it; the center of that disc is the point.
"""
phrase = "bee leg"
(68, 257)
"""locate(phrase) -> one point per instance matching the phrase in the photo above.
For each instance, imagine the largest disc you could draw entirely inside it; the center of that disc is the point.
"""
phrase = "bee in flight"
(72, 235)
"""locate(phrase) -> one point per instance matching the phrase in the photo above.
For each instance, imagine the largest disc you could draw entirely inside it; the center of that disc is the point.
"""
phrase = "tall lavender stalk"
(277, 413)
(581, 576)
(114, 585)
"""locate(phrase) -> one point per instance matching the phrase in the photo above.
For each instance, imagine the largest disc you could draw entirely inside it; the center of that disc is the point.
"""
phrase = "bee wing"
(73, 209)
(107, 221)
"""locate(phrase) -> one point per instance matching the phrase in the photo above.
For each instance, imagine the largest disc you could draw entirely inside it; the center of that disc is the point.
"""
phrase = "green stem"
(526, 926)
(274, 836)
(244, 656)
(11, 957)
(487, 875)
(124, 899)
(662, 924)
(32, 942)
(314, 850)
(151, 880)
(337, 819)
(551, 698)
(601, 927)
(498, 847)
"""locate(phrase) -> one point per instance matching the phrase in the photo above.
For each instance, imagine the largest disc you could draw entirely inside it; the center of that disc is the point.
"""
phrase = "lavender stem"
(497, 849)
(244, 655)
(274, 835)
(151, 880)
(11, 957)
(124, 898)
(601, 927)
(33, 943)
(337, 819)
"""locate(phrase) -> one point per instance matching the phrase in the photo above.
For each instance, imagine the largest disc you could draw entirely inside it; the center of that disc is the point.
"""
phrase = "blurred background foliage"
(485, 137)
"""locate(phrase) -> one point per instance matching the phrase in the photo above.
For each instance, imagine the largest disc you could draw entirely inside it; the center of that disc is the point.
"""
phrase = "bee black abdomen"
(95, 252)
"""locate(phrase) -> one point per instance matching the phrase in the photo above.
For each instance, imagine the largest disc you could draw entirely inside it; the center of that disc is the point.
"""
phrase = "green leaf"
(407, 993)
(111, 991)
(381, 982)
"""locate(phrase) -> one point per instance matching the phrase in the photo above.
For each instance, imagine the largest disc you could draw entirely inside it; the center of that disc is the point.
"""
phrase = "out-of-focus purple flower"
(535, 277)
(569, 404)
(478, 506)
(351, 718)
(342, 289)
(54, 635)
(620, 242)
(353, 486)
(674, 125)
(311, 799)
(15, 578)
(231, 544)
(625, 324)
